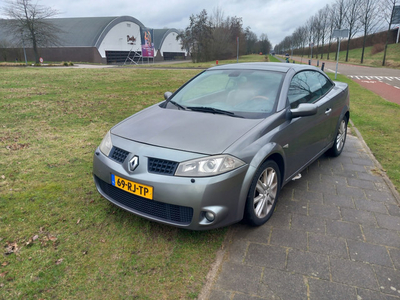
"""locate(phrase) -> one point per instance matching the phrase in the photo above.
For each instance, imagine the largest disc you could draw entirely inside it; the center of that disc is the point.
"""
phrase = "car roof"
(267, 66)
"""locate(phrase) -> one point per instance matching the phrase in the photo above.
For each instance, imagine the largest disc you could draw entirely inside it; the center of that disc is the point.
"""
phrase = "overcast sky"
(276, 18)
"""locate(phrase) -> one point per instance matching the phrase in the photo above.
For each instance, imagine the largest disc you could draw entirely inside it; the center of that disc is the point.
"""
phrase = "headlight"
(208, 166)
(106, 144)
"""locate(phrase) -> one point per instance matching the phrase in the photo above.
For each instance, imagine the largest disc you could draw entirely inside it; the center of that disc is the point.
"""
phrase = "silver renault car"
(220, 148)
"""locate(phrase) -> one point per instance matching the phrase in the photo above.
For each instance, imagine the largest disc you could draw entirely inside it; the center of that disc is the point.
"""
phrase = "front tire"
(340, 139)
(263, 194)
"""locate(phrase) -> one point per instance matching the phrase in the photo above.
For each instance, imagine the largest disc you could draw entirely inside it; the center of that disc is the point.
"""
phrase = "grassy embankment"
(371, 58)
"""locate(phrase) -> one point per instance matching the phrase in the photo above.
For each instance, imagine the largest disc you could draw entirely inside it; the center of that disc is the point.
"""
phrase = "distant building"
(98, 40)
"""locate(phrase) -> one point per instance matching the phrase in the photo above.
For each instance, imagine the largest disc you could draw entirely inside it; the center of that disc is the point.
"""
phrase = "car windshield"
(242, 93)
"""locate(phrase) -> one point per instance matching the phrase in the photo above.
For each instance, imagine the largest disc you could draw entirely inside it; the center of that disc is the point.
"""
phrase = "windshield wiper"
(213, 111)
(177, 104)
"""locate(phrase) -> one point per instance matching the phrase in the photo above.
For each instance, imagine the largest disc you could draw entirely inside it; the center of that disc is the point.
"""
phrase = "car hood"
(184, 130)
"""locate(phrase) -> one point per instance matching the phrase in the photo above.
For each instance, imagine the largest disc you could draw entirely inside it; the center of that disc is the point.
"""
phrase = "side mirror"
(167, 95)
(304, 110)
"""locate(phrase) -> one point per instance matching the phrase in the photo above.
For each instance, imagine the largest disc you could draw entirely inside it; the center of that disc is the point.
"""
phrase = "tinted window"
(307, 87)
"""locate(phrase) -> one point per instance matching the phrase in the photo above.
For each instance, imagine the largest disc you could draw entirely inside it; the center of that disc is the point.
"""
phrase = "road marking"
(332, 71)
(379, 78)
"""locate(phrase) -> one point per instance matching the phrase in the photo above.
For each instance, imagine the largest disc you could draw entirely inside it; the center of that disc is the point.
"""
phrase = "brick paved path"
(335, 234)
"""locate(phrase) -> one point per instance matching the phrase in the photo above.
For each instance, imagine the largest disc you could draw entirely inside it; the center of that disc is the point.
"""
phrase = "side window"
(306, 87)
(325, 83)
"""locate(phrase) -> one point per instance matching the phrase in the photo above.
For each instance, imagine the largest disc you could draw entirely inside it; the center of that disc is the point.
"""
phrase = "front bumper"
(177, 201)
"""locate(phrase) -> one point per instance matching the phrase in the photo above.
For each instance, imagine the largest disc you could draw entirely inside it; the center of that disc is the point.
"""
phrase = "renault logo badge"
(133, 163)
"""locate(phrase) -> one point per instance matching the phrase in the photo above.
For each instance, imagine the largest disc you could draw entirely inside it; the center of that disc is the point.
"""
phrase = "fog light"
(210, 216)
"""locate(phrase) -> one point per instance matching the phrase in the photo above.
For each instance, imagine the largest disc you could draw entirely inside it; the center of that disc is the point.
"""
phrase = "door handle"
(328, 111)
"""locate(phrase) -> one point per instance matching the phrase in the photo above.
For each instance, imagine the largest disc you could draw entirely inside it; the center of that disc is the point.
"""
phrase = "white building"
(99, 40)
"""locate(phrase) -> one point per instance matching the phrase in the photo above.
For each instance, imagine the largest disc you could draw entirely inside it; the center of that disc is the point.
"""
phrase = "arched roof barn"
(101, 39)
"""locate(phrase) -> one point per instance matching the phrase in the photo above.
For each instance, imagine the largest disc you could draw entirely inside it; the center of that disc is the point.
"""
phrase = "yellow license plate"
(141, 190)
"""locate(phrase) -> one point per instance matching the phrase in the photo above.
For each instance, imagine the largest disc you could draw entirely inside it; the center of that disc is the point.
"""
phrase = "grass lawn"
(372, 60)
(60, 239)
(272, 58)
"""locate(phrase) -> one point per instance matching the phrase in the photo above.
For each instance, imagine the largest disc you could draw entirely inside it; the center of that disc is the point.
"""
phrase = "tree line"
(215, 37)
(360, 17)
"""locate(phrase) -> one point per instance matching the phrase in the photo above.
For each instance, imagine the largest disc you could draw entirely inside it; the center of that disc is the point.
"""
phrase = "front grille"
(118, 154)
(161, 166)
(180, 215)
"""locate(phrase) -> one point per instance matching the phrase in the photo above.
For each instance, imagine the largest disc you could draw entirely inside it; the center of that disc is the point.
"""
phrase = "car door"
(307, 137)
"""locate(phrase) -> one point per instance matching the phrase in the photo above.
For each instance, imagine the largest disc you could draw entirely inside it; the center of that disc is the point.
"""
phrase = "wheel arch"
(270, 151)
(345, 113)
(278, 158)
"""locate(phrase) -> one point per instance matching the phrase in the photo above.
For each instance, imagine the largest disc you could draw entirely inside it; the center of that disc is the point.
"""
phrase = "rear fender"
(345, 112)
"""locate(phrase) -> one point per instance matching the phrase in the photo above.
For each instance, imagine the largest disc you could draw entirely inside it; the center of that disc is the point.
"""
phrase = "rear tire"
(340, 138)
(263, 194)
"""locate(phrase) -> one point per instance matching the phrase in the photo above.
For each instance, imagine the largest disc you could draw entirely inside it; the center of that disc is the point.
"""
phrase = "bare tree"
(28, 23)
(340, 15)
(369, 11)
(323, 15)
(297, 38)
(220, 35)
(264, 43)
(340, 9)
(235, 25)
(311, 29)
(388, 9)
(251, 41)
(318, 31)
(217, 18)
(352, 20)
(303, 34)
(331, 27)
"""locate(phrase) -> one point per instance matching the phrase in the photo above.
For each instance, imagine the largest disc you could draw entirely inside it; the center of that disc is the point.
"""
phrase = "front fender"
(268, 150)
(265, 152)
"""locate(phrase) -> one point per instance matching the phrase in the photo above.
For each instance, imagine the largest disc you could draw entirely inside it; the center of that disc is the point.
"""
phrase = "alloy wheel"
(265, 192)
(341, 136)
